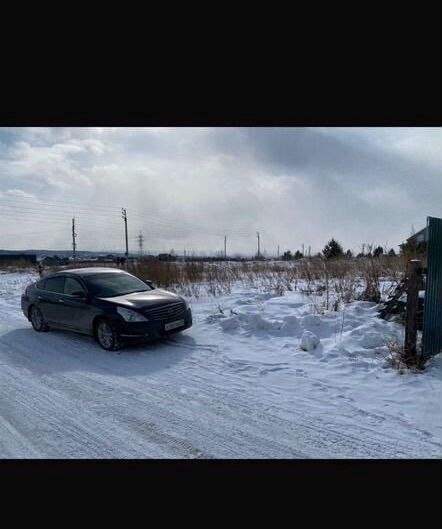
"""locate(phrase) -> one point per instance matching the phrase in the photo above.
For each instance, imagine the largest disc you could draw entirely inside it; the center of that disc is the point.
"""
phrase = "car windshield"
(110, 284)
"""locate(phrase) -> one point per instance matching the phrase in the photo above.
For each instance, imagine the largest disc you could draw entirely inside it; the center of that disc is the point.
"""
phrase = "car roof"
(91, 270)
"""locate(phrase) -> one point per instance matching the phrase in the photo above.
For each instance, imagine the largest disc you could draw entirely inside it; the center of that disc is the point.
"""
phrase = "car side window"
(41, 284)
(72, 285)
(55, 284)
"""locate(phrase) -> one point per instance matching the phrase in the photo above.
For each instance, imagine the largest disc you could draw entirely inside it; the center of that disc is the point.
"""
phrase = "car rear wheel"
(106, 336)
(37, 320)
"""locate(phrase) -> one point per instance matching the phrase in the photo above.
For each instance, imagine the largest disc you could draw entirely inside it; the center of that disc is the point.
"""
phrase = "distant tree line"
(334, 250)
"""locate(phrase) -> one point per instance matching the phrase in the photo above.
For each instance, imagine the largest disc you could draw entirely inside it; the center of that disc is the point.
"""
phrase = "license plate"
(173, 325)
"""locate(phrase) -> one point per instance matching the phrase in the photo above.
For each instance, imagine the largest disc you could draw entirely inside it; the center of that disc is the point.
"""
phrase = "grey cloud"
(296, 185)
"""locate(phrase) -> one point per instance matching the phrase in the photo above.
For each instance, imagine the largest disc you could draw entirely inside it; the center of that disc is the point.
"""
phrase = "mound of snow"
(257, 322)
(291, 320)
(360, 307)
(214, 318)
(371, 340)
(311, 320)
(229, 324)
(243, 302)
(309, 341)
(290, 325)
(265, 296)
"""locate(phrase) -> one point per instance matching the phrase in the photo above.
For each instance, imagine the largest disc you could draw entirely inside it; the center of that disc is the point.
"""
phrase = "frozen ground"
(235, 385)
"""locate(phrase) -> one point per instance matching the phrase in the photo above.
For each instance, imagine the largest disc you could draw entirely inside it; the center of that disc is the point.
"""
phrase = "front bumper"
(149, 330)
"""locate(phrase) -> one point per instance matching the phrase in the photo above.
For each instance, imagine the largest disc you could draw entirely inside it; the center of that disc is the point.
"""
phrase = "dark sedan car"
(107, 303)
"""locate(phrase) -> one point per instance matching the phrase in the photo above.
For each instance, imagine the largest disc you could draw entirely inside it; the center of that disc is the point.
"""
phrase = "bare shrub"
(398, 358)
(331, 282)
(17, 265)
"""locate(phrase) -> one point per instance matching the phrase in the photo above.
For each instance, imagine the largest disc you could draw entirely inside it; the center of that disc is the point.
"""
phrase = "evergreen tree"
(349, 254)
(287, 256)
(413, 249)
(333, 249)
(298, 254)
(391, 253)
(378, 251)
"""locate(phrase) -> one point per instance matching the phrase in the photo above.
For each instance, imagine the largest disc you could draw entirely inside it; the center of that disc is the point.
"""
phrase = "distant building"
(419, 237)
(416, 245)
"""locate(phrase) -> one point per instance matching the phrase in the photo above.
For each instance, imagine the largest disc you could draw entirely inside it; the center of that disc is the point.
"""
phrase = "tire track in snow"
(61, 396)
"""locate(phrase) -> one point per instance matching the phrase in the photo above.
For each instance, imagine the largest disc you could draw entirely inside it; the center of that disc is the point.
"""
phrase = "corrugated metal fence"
(432, 324)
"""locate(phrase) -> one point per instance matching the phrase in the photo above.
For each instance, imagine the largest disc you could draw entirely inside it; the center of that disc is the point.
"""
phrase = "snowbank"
(309, 341)
(258, 375)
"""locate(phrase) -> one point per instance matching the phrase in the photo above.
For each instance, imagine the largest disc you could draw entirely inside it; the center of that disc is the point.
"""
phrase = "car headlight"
(130, 315)
(187, 304)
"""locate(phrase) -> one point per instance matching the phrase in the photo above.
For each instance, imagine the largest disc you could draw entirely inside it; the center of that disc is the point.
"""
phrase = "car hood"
(142, 300)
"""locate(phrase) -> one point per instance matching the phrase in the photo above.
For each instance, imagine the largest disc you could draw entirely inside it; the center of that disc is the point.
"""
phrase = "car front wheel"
(37, 320)
(107, 337)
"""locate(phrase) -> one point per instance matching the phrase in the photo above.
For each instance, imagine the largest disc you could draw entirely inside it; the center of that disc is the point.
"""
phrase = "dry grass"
(398, 358)
(330, 282)
(16, 266)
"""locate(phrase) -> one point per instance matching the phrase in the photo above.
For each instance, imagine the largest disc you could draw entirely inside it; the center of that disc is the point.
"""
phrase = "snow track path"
(245, 392)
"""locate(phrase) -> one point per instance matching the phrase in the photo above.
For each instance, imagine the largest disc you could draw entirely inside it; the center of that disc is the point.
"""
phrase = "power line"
(56, 210)
(54, 213)
(44, 232)
(184, 225)
(93, 218)
(57, 203)
(24, 215)
(90, 217)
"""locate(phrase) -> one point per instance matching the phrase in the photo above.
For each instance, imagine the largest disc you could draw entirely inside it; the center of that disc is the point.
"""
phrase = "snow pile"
(257, 376)
(311, 320)
(290, 325)
(309, 341)
(371, 340)
(229, 324)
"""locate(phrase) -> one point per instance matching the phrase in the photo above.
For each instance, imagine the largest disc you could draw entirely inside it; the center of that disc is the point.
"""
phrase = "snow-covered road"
(235, 385)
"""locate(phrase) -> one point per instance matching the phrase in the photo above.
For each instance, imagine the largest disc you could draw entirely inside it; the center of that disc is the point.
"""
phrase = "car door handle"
(61, 300)
(39, 297)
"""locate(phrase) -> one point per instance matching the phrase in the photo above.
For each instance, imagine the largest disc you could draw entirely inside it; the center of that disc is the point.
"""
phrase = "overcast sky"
(184, 188)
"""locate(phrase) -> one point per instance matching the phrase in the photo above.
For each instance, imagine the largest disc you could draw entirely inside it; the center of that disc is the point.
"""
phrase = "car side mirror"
(149, 282)
(80, 294)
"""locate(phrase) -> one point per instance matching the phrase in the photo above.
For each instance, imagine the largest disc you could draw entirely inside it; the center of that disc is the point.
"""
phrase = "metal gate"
(432, 323)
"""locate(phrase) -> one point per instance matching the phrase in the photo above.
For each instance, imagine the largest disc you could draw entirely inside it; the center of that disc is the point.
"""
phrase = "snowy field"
(257, 376)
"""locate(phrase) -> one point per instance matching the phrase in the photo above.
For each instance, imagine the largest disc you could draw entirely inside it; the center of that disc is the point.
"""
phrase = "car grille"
(170, 312)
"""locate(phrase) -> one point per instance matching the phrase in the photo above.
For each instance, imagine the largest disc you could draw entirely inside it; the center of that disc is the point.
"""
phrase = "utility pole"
(74, 244)
(257, 234)
(124, 217)
(225, 247)
(309, 248)
(140, 243)
(302, 248)
(278, 252)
